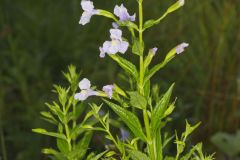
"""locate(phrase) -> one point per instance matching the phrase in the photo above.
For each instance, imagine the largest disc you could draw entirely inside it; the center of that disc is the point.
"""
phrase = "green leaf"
(110, 154)
(126, 65)
(138, 47)
(118, 90)
(129, 119)
(137, 100)
(227, 143)
(52, 134)
(137, 155)
(152, 22)
(149, 58)
(107, 14)
(128, 24)
(149, 23)
(169, 110)
(81, 147)
(63, 146)
(169, 158)
(159, 66)
(189, 130)
(55, 109)
(190, 153)
(97, 157)
(159, 110)
(56, 154)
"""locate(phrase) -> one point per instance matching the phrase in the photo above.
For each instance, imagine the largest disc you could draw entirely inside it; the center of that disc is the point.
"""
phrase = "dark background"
(40, 38)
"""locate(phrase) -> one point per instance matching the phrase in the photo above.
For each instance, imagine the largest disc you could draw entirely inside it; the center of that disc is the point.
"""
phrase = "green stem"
(74, 124)
(141, 86)
(68, 137)
(111, 136)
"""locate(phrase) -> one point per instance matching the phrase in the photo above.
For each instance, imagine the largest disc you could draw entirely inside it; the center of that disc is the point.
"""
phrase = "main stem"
(141, 85)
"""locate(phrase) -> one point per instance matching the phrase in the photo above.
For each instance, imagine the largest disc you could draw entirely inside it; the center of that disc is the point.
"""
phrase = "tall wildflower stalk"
(142, 135)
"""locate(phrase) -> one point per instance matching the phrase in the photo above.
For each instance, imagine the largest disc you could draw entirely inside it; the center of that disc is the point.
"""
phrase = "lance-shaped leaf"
(128, 24)
(53, 134)
(137, 47)
(137, 155)
(170, 55)
(159, 110)
(58, 155)
(137, 100)
(172, 8)
(107, 14)
(126, 65)
(81, 147)
(129, 119)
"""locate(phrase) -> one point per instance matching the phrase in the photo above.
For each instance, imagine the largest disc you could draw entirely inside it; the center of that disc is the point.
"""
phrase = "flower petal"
(87, 5)
(114, 47)
(181, 2)
(123, 14)
(83, 95)
(85, 18)
(108, 89)
(123, 47)
(116, 34)
(84, 84)
(180, 47)
(153, 51)
(102, 52)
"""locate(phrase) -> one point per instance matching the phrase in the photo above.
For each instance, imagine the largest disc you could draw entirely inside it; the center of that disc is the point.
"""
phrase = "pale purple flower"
(108, 89)
(116, 34)
(102, 52)
(115, 25)
(86, 91)
(180, 48)
(153, 51)
(114, 46)
(124, 134)
(122, 13)
(84, 84)
(181, 2)
(89, 11)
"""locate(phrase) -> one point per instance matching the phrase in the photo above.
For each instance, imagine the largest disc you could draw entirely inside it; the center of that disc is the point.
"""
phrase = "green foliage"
(202, 75)
(227, 143)
(72, 139)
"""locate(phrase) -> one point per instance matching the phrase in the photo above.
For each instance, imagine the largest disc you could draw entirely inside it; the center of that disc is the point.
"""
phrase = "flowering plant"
(142, 137)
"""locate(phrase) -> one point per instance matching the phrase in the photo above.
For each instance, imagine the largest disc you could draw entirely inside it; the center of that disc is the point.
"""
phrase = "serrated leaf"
(52, 134)
(158, 112)
(126, 65)
(137, 100)
(137, 155)
(129, 119)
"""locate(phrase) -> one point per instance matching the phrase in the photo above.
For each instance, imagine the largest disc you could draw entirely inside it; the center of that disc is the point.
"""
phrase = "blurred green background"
(40, 38)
